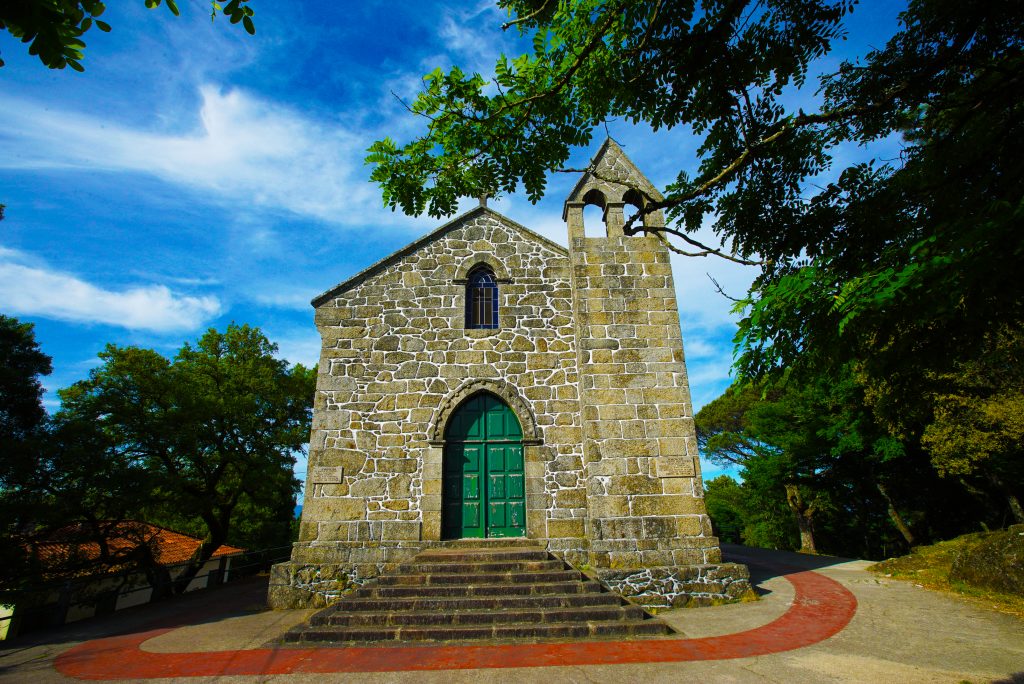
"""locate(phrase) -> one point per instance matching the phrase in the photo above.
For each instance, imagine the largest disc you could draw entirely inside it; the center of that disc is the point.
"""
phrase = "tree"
(22, 419)
(210, 433)
(54, 28)
(779, 439)
(21, 365)
(727, 508)
(902, 267)
(977, 427)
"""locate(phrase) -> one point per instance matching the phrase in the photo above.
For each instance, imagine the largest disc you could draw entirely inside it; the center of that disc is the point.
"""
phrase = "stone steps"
(520, 566)
(480, 578)
(517, 631)
(488, 589)
(471, 590)
(484, 617)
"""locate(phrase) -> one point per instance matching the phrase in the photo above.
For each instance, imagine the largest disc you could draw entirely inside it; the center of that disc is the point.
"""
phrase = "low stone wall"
(297, 585)
(320, 575)
(680, 586)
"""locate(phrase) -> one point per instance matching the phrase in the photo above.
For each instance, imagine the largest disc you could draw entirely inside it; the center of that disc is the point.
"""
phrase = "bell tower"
(645, 500)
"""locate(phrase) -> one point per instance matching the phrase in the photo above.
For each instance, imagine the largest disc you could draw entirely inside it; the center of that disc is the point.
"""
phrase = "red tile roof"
(70, 547)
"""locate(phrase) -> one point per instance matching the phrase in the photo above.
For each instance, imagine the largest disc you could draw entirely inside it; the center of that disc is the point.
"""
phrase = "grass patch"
(929, 566)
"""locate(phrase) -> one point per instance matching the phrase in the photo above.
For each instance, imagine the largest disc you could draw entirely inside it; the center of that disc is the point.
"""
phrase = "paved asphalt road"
(837, 623)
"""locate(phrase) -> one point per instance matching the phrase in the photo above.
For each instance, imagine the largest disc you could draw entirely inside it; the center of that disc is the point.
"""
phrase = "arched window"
(481, 299)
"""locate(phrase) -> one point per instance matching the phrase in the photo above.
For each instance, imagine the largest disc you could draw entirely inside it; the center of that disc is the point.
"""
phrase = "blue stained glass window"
(481, 299)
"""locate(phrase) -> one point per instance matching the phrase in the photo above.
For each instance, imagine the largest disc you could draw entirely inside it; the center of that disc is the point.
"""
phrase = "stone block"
(333, 508)
(674, 466)
(688, 556)
(665, 505)
(634, 484)
(400, 487)
(430, 529)
(620, 528)
(624, 559)
(617, 412)
(689, 526)
(331, 316)
(608, 506)
(571, 527)
(308, 531)
(658, 526)
(331, 419)
(563, 434)
(371, 486)
(619, 448)
(350, 460)
(570, 498)
(325, 475)
(400, 531)
(396, 465)
(606, 429)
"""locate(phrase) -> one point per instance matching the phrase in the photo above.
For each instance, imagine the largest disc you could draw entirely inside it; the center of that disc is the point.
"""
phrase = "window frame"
(481, 294)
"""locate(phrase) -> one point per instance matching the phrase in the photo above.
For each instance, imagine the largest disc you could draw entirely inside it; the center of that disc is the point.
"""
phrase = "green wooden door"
(482, 479)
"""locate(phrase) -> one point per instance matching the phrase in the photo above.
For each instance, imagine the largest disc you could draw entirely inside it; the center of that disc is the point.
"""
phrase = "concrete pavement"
(820, 620)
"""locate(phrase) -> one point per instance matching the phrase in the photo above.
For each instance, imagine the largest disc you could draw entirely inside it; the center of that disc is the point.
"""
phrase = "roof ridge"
(377, 266)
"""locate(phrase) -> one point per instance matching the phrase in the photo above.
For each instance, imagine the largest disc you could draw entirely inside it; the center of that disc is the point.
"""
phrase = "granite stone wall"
(646, 499)
(397, 360)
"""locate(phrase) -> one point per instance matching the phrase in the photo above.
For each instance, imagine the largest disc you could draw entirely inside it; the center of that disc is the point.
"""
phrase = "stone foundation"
(319, 575)
(680, 586)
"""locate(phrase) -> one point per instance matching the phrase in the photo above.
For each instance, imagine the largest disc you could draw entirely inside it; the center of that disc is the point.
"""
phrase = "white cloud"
(470, 37)
(301, 348)
(244, 151)
(32, 289)
(298, 300)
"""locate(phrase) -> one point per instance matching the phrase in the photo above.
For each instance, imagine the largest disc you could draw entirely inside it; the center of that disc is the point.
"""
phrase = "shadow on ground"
(767, 564)
(243, 597)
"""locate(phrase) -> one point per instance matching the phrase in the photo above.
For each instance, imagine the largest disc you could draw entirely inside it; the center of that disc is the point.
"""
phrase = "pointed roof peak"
(612, 173)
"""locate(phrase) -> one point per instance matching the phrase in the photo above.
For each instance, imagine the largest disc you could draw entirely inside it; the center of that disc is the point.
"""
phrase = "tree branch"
(509, 24)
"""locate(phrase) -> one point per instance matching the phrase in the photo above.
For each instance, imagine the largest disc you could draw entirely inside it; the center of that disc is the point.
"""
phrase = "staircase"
(479, 589)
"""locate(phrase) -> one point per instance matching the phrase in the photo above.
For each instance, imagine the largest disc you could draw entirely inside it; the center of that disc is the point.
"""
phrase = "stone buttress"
(649, 534)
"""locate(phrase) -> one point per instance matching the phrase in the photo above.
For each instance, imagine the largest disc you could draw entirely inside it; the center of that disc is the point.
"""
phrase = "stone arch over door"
(503, 390)
(532, 447)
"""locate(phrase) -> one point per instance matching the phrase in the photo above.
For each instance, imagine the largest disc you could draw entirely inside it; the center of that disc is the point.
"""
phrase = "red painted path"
(821, 608)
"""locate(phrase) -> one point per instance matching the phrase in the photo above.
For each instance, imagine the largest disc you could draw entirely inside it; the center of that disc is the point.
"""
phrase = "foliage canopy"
(887, 312)
(878, 260)
(54, 28)
(192, 443)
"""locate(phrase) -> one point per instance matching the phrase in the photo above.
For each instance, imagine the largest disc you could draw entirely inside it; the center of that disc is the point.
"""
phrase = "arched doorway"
(482, 487)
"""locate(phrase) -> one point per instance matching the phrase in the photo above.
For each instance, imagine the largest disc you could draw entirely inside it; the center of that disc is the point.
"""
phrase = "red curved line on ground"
(821, 608)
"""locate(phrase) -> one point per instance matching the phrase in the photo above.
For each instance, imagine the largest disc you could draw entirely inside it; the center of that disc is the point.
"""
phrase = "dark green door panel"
(482, 484)
(462, 506)
(505, 490)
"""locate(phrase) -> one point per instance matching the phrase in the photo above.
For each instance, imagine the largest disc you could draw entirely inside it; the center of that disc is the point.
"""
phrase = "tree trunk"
(803, 515)
(217, 525)
(1011, 497)
(895, 516)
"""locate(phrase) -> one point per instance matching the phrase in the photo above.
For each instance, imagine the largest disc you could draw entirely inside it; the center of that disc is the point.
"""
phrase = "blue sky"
(195, 175)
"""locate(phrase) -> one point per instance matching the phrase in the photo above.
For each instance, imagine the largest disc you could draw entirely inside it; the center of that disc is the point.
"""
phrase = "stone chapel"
(485, 382)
